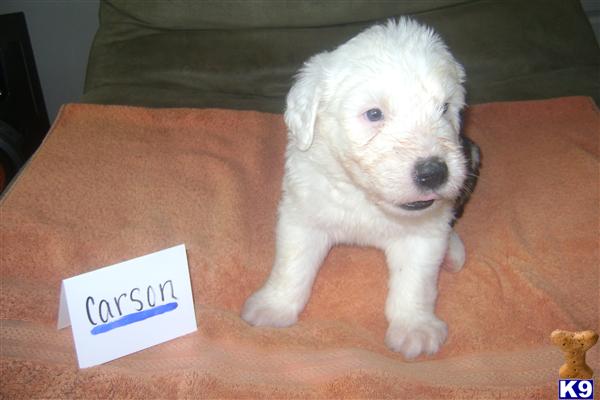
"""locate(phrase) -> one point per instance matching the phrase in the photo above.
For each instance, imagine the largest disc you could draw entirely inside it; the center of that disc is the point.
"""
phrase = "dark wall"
(61, 33)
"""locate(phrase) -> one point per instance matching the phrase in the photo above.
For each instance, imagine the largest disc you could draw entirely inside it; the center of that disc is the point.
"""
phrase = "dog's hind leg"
(455, 256)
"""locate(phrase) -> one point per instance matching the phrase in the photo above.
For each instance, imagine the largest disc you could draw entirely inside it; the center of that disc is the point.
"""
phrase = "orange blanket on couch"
(112, 183)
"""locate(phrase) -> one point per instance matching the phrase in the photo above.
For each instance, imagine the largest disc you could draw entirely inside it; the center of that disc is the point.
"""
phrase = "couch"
(243, 54)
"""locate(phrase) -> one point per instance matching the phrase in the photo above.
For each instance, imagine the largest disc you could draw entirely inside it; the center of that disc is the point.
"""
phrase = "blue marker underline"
(133, 318)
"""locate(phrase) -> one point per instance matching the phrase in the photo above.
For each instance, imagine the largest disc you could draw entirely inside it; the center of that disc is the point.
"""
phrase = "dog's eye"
(445, 108)
(374, 114)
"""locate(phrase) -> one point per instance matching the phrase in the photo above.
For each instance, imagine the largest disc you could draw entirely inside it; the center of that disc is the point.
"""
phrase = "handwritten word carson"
(136, 298)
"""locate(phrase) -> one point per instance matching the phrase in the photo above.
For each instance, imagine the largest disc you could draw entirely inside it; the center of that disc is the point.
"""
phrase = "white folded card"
(127, 307)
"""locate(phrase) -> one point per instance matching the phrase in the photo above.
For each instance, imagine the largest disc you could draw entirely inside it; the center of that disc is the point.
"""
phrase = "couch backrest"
(243, 54)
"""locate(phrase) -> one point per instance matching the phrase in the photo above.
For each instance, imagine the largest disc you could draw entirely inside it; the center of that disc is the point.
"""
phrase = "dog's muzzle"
(428, 174)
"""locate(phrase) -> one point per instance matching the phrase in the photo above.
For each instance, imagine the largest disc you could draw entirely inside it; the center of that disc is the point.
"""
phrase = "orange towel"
(111, 183)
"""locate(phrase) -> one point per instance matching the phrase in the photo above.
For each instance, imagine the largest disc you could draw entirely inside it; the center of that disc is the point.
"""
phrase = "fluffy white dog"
(374, 158)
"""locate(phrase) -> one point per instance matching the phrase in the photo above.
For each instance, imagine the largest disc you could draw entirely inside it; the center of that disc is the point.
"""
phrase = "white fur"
(346, 176)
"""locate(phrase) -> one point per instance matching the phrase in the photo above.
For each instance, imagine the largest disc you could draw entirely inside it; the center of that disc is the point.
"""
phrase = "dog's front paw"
(263, 309)
(415, 336)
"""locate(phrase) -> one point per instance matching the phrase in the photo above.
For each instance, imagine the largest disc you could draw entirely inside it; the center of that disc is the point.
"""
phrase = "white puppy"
(374, 158)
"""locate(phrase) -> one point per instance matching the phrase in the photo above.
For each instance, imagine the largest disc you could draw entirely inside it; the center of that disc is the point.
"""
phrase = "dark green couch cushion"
(243, 54)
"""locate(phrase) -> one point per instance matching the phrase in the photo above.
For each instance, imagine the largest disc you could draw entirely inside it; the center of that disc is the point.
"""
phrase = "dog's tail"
(472, 154)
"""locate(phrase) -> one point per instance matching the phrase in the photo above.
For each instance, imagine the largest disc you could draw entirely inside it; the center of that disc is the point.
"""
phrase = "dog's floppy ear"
(302, 103)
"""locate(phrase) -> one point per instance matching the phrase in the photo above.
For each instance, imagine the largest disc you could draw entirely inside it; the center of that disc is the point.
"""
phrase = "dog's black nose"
(430, 173)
